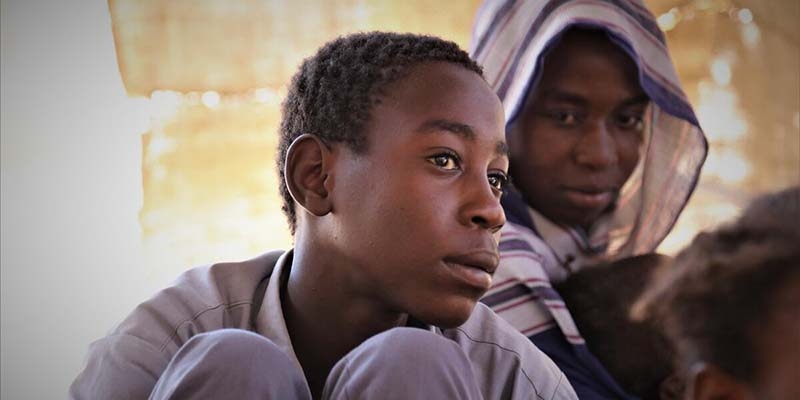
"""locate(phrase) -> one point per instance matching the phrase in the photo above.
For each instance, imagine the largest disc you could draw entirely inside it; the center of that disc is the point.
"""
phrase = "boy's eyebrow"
(435, 125)
(501, 149)
(463, 130)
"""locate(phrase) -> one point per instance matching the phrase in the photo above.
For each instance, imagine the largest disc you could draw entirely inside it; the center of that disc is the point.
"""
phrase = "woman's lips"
(594, 199)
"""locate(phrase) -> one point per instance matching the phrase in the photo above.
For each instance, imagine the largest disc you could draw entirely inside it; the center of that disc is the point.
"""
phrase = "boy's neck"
(324, 318)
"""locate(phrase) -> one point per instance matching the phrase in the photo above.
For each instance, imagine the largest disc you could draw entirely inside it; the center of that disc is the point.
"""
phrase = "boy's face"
(577, 139)
(417, 216)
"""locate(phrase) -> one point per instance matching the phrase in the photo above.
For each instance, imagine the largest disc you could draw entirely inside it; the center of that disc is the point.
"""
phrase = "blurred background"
(138, 139)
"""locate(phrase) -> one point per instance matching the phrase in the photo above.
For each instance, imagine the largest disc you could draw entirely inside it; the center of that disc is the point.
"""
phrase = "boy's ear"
(709, 382)
(306, 171)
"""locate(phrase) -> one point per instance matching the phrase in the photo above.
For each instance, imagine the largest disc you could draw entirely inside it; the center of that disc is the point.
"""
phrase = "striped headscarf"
(509, 39)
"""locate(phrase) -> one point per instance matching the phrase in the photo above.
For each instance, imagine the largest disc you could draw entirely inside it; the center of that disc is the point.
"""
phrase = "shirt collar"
(270, 322)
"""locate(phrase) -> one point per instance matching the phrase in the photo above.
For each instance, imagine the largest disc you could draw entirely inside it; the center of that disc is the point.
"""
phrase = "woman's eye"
(498, 180)
(445, 161)
(630, 122)
(567, 118)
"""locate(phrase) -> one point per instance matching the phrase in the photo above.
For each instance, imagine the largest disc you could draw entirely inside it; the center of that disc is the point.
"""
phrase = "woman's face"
(577, 139)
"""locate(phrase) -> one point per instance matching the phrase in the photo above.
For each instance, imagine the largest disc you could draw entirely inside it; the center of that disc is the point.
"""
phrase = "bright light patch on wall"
(750, 35)
(360, 12)
(745, 16)
(668, 20)
(164, 103)
(210, 99)
(721, 71)
(719, 114)
(727, 165)
(265, 95)
(158, 146)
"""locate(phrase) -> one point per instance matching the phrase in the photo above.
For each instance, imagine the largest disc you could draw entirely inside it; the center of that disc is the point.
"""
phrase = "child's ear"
(307, 167)
(672, 388)
(709, 382)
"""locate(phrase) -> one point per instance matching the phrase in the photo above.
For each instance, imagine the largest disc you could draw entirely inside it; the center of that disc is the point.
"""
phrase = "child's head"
(635, 353)
(577, 138)
(732, 304)
(392, 160)
(333, 93)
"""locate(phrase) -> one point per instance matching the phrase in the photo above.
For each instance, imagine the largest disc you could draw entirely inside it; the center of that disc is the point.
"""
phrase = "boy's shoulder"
(127, 362)
(202, 299)
(507, 361)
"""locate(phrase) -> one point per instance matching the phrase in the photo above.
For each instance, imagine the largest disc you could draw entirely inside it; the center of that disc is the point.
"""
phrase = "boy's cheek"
(496, 237)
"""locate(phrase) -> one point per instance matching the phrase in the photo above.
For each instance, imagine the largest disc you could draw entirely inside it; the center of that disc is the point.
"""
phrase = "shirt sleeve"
(507, 364)
(119, 367)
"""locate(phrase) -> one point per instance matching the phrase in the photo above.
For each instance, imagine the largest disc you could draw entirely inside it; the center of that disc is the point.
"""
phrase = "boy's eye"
(498, 180)
(445, 161)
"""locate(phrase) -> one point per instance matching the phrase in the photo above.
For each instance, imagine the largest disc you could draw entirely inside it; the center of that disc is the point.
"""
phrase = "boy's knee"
(230, 347)
(404, 363)
(413, 345)
(230, 363)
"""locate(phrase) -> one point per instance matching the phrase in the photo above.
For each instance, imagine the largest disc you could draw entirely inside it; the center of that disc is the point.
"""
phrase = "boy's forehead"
(434, 99)
(423, 80)
(431, 77)
(443, 126)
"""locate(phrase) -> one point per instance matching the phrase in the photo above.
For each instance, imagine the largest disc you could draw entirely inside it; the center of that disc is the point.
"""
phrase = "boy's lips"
(474, 268)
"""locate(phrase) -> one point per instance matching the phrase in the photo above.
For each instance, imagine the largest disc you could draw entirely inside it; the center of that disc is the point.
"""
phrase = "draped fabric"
(509, 39)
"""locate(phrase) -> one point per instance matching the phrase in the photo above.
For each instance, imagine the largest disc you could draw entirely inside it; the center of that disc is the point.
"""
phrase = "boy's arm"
(508, 364)
(127, 363)
(119, 367)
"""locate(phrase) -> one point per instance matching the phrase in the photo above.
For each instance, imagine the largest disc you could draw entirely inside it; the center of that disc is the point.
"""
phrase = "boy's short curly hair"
(727, 287)
(332, 94)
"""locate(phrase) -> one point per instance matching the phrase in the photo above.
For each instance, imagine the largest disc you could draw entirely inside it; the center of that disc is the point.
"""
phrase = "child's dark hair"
(333, 92)
(636, 353)
(729, 285)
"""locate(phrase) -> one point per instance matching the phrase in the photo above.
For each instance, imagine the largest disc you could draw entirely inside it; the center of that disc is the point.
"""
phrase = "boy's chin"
(451, 317)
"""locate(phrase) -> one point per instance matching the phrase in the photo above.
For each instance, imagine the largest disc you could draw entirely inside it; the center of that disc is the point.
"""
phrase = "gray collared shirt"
(128, 362)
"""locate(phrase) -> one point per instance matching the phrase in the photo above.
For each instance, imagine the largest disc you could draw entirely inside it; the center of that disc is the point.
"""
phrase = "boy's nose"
(482, 208)
(597, 148)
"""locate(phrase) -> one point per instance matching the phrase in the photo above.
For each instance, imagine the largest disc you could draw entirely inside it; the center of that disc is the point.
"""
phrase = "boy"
(730, 305)
(392, 161)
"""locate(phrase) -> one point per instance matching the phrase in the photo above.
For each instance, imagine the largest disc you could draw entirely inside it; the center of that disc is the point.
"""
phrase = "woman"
(605, 151)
